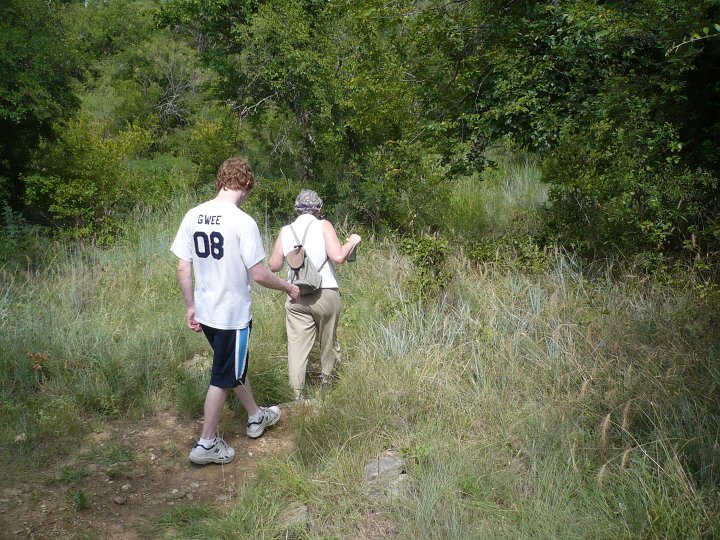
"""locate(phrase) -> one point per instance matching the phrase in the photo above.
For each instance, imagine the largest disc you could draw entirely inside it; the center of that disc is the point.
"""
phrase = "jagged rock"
(385, 475)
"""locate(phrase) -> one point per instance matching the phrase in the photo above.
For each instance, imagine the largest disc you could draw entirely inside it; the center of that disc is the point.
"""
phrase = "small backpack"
(302, 270)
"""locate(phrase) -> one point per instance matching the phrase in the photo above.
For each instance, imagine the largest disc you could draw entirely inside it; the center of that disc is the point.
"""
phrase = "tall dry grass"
(551, 405)
(560, 403)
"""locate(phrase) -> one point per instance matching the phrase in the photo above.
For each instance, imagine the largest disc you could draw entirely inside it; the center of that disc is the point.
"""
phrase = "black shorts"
(231, 355)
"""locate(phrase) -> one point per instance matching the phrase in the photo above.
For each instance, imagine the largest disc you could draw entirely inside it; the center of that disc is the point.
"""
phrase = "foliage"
(138, 86)
(20, 241)
(627, 189)
(36, 89)
(84, 179)
(272, 200)
(135, 73)
(208, 142)
(80, 500)
(429, 255)
(521, 253)
(628, 130)
(345, 139)
(392, 111)
(707, 33)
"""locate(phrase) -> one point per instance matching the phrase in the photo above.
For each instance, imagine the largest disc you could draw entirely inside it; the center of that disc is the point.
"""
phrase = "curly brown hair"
(235, 173)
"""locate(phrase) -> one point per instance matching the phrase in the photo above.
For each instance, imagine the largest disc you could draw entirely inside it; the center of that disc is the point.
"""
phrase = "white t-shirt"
(314, 246)
(222, 242)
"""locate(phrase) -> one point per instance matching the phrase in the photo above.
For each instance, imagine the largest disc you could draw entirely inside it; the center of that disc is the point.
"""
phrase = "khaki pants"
(312, 314)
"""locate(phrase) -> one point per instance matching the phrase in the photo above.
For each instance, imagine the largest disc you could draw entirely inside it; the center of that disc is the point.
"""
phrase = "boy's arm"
(184, 273)
(261, 275)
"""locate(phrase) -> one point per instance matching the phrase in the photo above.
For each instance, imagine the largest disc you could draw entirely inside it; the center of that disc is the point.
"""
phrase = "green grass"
(562, 402)
(505, 198)
(191, 519)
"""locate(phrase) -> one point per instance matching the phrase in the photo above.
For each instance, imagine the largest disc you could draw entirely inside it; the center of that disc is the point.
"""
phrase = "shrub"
(82, 182)
(429, 255)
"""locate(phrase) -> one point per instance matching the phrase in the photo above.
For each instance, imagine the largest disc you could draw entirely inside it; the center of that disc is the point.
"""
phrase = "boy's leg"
(230, 361)
(245, 395)
(214, 403)
(211, 448)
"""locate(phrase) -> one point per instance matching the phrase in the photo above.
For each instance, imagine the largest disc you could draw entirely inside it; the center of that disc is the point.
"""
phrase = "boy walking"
(221, 244)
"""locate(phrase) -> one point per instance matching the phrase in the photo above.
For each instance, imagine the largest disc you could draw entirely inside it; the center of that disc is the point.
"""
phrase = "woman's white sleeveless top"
(314, 246)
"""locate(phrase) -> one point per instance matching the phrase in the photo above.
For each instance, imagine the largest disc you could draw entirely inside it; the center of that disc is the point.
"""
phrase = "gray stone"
(384, 466)
(177, 493)
(385, 476)
(295, 516)
(120, 500)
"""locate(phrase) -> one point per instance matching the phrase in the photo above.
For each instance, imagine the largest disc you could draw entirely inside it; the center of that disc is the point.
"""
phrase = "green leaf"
(717, 27)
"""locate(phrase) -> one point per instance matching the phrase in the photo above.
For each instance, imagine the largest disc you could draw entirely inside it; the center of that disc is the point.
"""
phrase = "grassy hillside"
(560, 402)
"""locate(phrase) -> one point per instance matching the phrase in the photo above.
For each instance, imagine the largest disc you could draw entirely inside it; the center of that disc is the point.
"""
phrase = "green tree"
(36, 89)
(84, 181)
(629, 133)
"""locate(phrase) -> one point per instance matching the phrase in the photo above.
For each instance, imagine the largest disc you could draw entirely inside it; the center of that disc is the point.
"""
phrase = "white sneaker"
(270, 416)
(219, 452)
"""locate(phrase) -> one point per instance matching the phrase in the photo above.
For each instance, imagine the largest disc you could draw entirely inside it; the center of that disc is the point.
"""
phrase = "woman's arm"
(337, 252)
(277, 259)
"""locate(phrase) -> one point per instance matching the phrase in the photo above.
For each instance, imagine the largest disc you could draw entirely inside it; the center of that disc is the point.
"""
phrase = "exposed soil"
(121, 500)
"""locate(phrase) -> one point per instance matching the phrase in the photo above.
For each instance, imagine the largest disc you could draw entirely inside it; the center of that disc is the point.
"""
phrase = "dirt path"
(139, 473)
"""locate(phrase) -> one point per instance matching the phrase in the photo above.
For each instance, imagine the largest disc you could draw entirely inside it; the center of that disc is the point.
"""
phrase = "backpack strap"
(297, 240)
(305, 233)
(302, 244)
(299, 243)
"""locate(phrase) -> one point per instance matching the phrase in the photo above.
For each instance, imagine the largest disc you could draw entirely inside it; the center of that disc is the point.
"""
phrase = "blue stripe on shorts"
(242, 339)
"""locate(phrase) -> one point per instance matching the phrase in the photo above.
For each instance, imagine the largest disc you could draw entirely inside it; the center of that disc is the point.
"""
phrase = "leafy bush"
(272, 200)
(621, 183)
(83, 180)
(160, 178)
(208, 142)
(36, 90)
(429, 255)
(522, 253)
(20, 241)
(403, 187)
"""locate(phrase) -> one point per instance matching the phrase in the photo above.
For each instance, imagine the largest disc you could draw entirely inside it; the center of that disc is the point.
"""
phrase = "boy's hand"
(293, 292)
(191, 322)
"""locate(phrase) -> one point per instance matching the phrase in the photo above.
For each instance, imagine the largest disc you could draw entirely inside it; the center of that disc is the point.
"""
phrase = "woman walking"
(315, 313)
